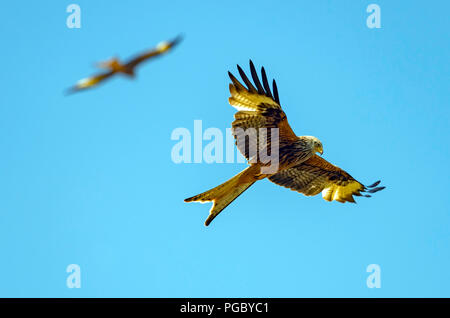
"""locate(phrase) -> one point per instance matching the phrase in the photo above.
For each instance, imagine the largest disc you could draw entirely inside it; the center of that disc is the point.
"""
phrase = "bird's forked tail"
(227, 192)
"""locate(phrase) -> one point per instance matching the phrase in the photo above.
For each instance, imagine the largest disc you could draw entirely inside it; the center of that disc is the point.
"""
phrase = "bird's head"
(315, 144)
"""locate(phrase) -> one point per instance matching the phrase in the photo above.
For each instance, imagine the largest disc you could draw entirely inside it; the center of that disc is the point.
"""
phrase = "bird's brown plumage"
(317, 175)
(299, 167)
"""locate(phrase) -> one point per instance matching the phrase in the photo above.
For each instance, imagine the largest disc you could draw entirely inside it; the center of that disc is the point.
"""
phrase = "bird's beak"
(321, 152)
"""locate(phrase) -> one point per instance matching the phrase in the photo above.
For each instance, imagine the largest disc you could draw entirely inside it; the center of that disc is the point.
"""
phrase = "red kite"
(299, 168)
(114, 66)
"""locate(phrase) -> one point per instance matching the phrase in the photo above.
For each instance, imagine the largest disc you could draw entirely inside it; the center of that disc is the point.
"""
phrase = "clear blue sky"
(88, 179)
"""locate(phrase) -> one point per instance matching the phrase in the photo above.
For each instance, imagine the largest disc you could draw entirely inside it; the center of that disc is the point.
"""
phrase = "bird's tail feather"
(227, 192)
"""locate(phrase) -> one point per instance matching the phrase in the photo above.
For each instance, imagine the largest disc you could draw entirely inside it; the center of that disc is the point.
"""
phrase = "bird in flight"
(114, 66)
(299, 167)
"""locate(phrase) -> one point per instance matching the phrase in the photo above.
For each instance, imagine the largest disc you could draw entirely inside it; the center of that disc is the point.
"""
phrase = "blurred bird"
(114, 66)
(299, 168)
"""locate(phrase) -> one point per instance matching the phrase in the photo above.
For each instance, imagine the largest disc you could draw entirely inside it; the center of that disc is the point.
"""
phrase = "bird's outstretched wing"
(90, 82)
(318, 175)
(161, 48)
(257, 108)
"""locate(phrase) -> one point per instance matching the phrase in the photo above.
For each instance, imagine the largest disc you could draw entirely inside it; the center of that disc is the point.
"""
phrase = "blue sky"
(88, 179)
